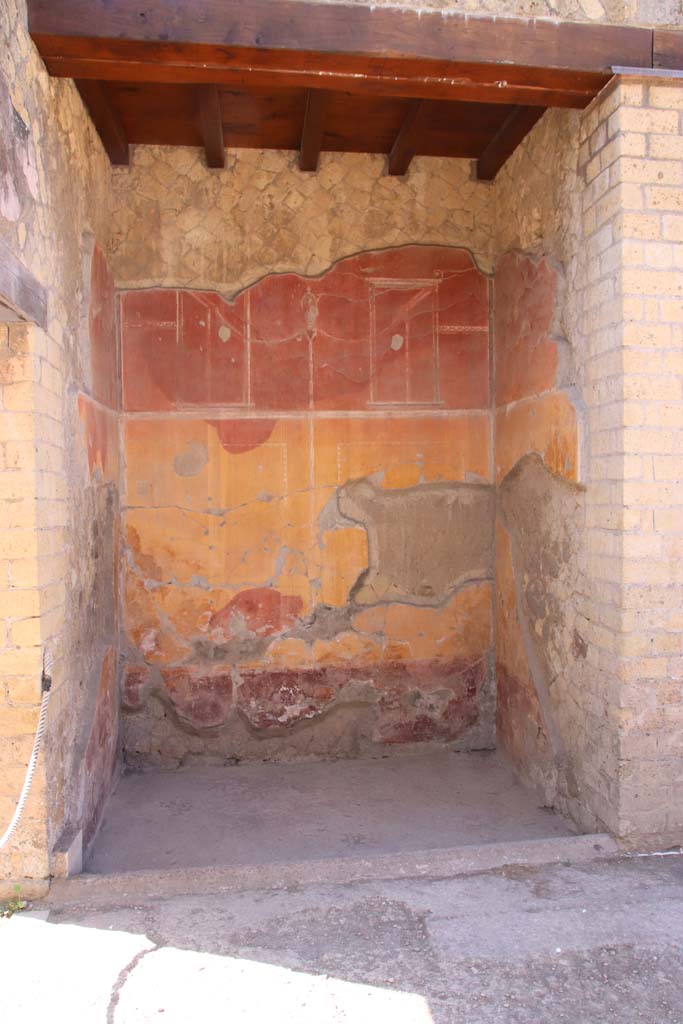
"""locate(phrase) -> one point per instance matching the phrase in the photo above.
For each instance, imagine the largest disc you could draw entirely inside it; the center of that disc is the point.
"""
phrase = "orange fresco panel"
(460, 630)
(240, 548)
(344, 558)
(144, 628)
(348, 647)
(546, 425)
(288, 652)
(446, 448)
(185, 462)
(101, 438)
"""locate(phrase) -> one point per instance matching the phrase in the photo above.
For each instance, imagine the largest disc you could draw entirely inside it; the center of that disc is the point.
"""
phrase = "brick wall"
(23, 352)
(54, 196)
(638, 158)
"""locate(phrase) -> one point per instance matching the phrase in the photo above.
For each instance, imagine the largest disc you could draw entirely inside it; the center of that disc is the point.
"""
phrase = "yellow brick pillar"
(636, 162)
(25, 858)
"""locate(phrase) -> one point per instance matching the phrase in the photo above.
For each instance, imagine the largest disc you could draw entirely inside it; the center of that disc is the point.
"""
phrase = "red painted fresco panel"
(399, 327)
(464, 369)
(526, 355)
(102, 331)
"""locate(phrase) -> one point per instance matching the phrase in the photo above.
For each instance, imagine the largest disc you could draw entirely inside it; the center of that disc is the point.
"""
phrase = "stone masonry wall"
(629, 12)
(54, 194)
(177, 224)
(308, 531)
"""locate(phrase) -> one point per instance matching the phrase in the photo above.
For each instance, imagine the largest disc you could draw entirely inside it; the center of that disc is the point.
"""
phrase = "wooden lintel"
(313, 130)
(406, 143)
(211, 124)
(20, 289)
(106, 120)
(184, 27)
(516, 126)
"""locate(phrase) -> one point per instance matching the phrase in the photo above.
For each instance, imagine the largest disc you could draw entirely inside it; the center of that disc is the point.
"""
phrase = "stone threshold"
(104, 890)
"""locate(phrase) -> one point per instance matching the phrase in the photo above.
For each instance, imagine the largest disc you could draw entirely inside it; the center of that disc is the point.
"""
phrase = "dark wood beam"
(174, 29)
(313, 129)
(20, 289)
(407, 142)
(106, 120)
(667, 49)
(211, 124)
(467, 83)
(516, 126)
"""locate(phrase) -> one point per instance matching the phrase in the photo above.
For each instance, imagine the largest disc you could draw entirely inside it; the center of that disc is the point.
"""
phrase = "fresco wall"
(95, 754)
(539, 517)
(308, 512)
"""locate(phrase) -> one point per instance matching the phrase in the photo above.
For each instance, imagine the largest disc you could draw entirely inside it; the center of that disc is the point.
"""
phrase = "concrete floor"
(597, 943)
(257, 814)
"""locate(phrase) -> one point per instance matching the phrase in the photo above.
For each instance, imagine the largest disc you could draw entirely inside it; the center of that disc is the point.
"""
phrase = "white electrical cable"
(42, 719)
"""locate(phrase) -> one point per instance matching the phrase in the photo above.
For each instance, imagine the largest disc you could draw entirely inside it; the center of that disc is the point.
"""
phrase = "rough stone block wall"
(177, 224)
(645, 12)
(308, 512)
(54, 189)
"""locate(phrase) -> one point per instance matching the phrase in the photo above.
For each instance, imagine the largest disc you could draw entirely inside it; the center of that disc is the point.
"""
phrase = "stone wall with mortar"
(177, 224)
(56, 517)
(628, 12)
(308, 534)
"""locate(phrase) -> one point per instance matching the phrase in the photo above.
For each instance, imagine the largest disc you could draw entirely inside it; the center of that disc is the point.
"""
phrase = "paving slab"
(269, 814)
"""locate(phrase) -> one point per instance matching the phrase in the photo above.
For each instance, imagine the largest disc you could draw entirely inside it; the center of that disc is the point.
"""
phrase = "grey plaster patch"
(423, 541)
(192, 460)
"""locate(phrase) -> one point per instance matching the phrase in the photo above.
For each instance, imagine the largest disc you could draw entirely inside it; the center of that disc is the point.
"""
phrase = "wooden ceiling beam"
(407, 142)
(313, 130)
(516, 126)
(211, 124)
(339, 29)
(459, 83)
(667, 49)
(106, 120)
